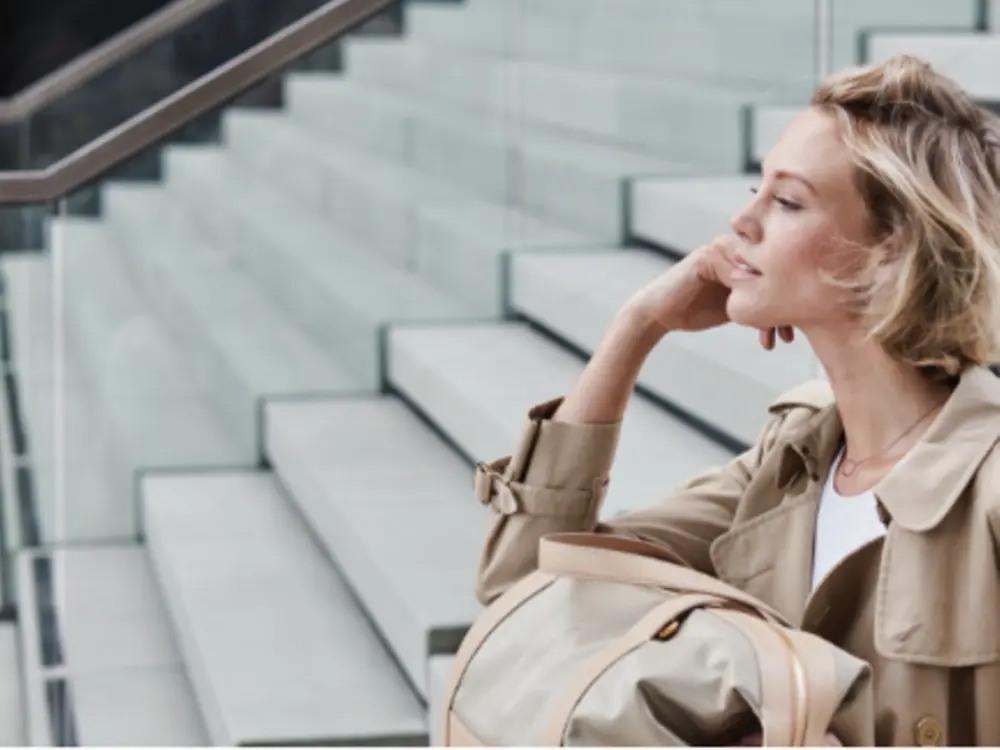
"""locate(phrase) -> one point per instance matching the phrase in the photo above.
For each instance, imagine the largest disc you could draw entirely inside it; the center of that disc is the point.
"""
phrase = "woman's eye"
(790, 205)
(783, 202)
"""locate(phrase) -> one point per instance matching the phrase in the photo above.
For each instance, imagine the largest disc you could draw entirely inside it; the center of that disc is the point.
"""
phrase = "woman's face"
(803, 217)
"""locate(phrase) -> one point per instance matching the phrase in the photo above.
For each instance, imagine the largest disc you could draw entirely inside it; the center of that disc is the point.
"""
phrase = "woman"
(869, 509)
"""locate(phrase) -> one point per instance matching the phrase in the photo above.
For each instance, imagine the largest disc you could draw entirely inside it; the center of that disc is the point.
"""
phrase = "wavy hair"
(928, 169)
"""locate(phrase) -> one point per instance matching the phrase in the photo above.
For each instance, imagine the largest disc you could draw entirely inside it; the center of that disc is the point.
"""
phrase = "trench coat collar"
(920, 490)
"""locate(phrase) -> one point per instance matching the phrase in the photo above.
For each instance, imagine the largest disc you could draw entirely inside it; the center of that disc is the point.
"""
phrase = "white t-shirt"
(844, 524)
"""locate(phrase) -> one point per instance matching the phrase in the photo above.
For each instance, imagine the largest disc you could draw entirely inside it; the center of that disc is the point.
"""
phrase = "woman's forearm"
(602, 392)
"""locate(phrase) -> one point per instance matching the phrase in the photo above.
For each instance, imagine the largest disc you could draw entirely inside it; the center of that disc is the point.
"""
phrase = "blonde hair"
(928, 168)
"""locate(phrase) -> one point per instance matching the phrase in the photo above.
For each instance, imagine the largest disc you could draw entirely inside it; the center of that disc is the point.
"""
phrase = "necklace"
(849, 466)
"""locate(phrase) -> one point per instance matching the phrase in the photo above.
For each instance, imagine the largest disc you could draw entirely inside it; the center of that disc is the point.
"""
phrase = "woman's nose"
(746, 225)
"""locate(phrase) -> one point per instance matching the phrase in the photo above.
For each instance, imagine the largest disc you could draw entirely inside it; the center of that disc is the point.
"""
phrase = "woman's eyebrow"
(786, 175)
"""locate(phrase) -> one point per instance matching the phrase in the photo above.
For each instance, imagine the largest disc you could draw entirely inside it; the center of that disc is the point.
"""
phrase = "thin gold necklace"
(849, 466)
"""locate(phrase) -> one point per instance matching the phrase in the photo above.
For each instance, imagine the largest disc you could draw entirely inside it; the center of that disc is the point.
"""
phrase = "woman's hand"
(692, 294)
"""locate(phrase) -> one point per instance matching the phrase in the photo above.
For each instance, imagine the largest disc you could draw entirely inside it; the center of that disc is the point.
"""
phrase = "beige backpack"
(610, 644)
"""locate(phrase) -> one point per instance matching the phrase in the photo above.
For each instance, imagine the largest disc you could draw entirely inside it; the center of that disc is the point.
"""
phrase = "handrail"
(88, 66)
(199, 97)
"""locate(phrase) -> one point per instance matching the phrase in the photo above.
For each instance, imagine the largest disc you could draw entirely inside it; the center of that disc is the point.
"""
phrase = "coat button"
(929, 732)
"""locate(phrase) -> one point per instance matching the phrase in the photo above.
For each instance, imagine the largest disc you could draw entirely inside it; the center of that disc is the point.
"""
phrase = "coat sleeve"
(556, 479)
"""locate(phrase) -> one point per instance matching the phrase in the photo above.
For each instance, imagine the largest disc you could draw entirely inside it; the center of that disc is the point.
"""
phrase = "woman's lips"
(743, 269)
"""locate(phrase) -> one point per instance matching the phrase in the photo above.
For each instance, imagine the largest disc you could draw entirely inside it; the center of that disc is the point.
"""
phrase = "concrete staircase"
(252, 394)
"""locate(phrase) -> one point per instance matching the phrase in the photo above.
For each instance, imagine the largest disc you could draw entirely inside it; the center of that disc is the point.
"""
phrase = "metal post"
(823, 23)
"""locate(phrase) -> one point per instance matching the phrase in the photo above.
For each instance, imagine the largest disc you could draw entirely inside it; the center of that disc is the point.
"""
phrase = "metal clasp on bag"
(669, 630)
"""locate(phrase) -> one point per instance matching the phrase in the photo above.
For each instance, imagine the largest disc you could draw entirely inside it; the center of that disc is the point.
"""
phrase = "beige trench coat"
(921, 605)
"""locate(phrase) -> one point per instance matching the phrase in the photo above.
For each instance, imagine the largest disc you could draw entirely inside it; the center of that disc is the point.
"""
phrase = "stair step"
(369, 197)
(455, 242)
(440, 671)
(649, 37)
(691, 123)
(277, 649)
(12, 732)
(477, 382)
(237, 345)
(560, 176)
(722, 377)
(465, 250)
(101, 666)
(333, 286)
(680, 215)
(393, 505)
(637, 36)
(971, 60)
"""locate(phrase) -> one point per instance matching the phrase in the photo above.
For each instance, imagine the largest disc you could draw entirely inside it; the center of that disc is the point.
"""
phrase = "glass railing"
(99, 387)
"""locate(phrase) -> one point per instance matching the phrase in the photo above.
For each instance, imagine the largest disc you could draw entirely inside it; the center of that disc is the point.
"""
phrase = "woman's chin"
(744, 312)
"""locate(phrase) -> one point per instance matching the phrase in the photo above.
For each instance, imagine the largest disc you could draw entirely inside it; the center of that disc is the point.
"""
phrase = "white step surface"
(972, 60)
(722, 376)
(115, 652)
(12, 732)
(552, 172)
(680, 215)
(440, 671)
(477, 382)
(454, 241)
(336, 288)
(238, 346)
(393, 505)
(277, 650)
(690, 123)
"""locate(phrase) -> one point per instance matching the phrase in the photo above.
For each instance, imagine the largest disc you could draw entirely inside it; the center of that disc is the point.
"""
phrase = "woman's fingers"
(769, 336)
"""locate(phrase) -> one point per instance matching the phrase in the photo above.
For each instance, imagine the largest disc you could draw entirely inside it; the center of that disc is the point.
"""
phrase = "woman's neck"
(879, 398)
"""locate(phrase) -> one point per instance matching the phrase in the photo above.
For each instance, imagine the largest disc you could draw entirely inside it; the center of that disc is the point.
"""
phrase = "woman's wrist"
(635, 329)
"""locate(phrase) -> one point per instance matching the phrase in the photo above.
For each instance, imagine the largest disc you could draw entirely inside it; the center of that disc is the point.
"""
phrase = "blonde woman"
(869, 509)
